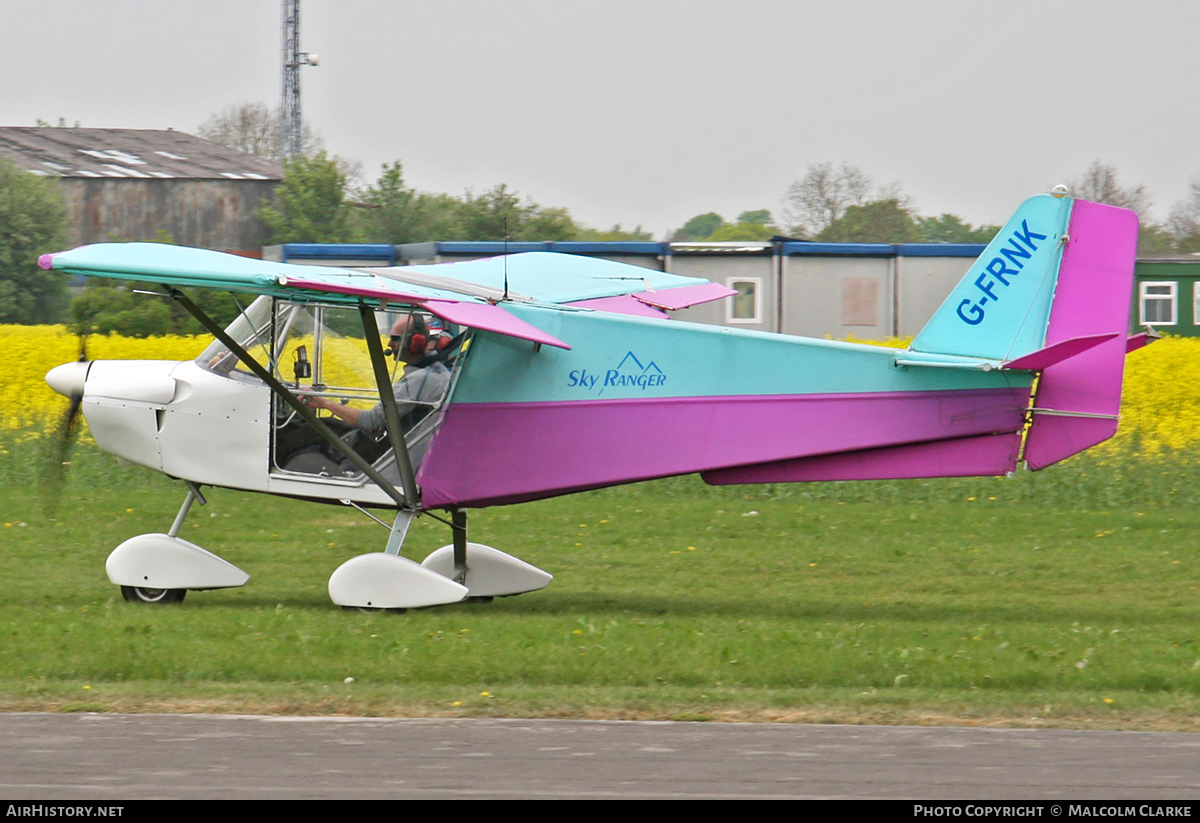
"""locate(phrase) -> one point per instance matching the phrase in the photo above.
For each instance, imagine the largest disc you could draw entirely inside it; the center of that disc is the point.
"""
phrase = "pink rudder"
(1078, 399)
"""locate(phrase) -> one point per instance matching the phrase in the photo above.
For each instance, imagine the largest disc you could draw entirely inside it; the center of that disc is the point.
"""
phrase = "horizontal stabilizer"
(1138, 341)
(657, 303)
(1040, 359)
(684, 296)
(624, 304)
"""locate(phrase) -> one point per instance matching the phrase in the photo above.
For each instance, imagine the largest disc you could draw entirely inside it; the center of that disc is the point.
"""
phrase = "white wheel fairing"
(490, 572)
(159, 561)
(388, 581)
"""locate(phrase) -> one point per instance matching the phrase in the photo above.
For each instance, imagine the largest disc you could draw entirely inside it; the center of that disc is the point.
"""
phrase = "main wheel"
(138, 594)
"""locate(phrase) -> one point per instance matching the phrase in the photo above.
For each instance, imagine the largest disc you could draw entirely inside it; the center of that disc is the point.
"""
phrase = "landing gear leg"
(486, 572)
(458, 528)
(192, 496)
(458, 531)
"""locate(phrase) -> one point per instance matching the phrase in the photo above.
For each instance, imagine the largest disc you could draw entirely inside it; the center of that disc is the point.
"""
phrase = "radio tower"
(289, 101)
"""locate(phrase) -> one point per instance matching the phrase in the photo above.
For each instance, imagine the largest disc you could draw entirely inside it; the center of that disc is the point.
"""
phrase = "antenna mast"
(290, 124)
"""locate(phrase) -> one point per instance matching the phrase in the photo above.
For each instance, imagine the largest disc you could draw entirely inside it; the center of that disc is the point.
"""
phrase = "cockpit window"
(321, 352)
(330, 341)
(252, 330)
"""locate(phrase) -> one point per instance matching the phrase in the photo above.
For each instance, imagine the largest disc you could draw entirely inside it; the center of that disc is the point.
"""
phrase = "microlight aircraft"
(566, 373)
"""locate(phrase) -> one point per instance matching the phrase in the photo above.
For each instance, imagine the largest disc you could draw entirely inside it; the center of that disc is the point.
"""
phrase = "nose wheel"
(140, 594)
(160, 568)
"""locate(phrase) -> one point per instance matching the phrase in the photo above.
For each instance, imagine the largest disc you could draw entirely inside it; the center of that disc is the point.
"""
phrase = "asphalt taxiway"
(108, 757)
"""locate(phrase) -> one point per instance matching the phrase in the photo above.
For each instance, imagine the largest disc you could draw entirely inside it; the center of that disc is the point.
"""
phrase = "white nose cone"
(68, 378)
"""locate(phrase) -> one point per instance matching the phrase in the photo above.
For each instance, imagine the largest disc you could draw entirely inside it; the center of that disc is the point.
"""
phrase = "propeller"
(67, 380)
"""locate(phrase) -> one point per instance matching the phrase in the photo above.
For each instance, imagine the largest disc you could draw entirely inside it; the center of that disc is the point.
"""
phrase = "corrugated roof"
(129, 153)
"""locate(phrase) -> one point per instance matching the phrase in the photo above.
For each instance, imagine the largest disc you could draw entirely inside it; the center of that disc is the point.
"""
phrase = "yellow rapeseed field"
(26, 402)
(1161, 408)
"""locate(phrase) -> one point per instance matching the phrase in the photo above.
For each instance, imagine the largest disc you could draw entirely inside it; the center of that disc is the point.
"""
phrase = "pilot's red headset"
(416, 343)
(416, 336)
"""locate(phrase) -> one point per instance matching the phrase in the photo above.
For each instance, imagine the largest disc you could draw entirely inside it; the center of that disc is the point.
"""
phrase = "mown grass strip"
(1066, 598)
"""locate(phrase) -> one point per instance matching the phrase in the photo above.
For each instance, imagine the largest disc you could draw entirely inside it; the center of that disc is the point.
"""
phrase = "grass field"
(1062, 598)
(1065, 598)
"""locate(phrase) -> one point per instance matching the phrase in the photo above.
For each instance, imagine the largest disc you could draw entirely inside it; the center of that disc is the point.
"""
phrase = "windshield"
(330, 340)
(252, 331)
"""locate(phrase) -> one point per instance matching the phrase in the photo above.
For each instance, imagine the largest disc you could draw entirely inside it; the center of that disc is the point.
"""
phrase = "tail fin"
(1060, 270)
(1000, 309)
(1078, 399)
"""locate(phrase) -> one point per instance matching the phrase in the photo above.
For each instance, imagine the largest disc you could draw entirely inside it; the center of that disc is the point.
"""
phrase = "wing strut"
(284, 394)
(388, 397)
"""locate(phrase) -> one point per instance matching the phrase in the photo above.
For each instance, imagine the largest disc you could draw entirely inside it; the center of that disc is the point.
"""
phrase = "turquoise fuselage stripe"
(617, 356)
(1001, 308)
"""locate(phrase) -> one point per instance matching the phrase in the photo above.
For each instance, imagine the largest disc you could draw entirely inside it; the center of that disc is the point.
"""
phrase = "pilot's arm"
(347, 413)
(408, 393)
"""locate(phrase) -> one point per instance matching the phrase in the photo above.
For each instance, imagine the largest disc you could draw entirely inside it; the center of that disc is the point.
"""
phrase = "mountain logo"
(630, 373)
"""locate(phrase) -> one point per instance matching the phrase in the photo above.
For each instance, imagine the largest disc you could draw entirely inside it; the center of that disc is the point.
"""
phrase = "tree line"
(322, 199)
(318, 203)
(315, 203)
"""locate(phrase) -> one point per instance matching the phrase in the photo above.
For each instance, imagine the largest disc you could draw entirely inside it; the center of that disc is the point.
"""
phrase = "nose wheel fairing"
(160, 561)
(160, 568)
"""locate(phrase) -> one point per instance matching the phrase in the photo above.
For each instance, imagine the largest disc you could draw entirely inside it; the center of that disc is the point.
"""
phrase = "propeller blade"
(57, 454)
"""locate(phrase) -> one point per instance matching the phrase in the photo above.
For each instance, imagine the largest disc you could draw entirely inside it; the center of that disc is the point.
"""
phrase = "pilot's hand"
(315, 401)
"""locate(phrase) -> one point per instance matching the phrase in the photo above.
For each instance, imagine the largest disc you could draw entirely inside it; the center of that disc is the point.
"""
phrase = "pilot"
(417, 393)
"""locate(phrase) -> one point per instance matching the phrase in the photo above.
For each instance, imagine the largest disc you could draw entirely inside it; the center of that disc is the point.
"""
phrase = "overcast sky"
(650, 112)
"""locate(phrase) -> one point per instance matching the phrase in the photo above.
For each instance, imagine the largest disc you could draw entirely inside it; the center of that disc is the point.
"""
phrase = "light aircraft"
(565, 373)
